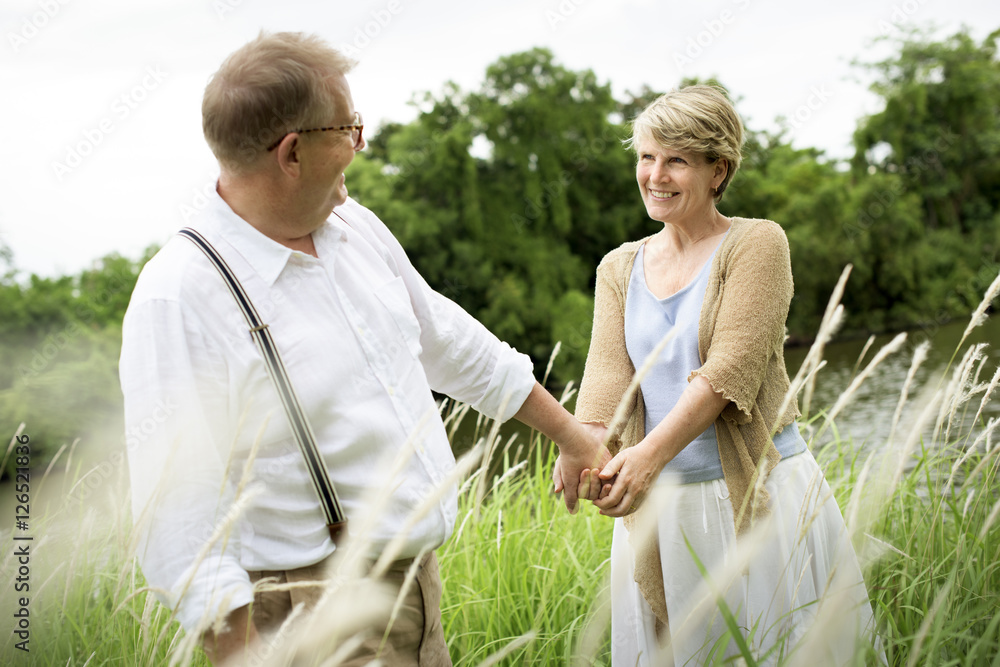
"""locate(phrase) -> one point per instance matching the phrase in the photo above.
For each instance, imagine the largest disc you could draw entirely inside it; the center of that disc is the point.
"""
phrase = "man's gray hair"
(267, 88)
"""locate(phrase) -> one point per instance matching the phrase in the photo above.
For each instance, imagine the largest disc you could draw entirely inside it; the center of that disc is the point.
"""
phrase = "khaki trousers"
(416, 638)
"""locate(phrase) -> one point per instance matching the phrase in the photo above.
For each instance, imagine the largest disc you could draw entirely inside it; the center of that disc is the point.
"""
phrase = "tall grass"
(524, 568)
(526, 583)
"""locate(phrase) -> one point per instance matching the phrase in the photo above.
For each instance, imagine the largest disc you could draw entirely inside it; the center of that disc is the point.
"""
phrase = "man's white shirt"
(364, 340)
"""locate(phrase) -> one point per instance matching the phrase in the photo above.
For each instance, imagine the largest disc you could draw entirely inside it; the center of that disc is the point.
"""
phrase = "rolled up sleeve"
(460, 356)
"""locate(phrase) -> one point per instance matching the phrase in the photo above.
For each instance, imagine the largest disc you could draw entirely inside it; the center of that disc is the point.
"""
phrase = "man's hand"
(579, 449)
(576, 470)
(226, 647)
(589, 486)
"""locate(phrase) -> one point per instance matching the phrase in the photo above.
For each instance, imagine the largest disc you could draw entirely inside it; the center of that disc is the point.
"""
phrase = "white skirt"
(794, 588)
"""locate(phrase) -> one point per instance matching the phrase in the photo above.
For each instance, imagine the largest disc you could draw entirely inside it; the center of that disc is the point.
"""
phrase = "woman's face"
(677, 187)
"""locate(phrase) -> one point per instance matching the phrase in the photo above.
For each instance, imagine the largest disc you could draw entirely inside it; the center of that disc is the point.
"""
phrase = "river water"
(867, 419)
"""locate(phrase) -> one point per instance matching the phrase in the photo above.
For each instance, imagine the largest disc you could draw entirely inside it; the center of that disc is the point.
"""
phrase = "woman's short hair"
(697, 119)
(265, 89)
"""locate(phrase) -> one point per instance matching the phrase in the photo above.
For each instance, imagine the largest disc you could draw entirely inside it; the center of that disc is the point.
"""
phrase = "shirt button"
(392, 391)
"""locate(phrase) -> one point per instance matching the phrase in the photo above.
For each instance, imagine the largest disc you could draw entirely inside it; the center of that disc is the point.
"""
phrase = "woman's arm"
(607, 373)
(747, 328)
(638, 467)
(608, 370)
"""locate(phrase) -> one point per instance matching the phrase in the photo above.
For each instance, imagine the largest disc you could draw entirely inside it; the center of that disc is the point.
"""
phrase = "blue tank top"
(647, 320)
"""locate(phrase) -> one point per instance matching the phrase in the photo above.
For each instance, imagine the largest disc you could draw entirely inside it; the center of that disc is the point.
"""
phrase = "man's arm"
(464, 360)
(579, 449)
(175, 465)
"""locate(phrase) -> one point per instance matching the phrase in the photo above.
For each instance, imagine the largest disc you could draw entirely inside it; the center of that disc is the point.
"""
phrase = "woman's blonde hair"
(698, 119)
(265, 89)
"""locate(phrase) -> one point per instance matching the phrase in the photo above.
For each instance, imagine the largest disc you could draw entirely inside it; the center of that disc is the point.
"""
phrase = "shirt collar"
(266, 256)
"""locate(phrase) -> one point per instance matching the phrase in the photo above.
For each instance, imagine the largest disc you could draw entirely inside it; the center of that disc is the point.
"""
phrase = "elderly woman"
(707, 421)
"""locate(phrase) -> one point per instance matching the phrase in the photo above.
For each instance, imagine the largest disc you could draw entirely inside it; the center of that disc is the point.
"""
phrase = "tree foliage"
(507, 197)
(926, 214)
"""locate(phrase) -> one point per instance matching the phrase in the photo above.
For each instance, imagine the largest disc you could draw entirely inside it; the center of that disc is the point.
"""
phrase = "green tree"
(507, 198)
(940, 130)
(935, 145)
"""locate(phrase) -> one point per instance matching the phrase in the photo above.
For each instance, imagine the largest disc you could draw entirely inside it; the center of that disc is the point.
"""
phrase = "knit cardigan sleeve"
(609, 369)
(742, 327)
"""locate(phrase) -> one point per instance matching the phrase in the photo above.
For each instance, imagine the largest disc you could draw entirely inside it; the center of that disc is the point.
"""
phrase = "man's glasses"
(356, 128)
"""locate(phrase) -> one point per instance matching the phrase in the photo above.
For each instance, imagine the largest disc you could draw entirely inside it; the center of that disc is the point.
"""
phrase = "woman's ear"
(721, 171)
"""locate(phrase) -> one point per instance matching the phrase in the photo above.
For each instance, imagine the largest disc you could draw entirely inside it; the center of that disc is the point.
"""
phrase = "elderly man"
(362, 337)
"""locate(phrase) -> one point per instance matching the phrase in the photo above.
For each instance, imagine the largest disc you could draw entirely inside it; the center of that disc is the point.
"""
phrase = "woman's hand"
(638, 467)
(633, 471)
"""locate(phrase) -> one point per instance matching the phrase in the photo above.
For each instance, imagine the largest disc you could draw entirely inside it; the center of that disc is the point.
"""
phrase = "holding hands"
(621, 485)
(628, 478)
(575, 471)
(585, 480)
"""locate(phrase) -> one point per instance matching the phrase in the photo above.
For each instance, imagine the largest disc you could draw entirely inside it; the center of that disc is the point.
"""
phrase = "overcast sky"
(101, 128)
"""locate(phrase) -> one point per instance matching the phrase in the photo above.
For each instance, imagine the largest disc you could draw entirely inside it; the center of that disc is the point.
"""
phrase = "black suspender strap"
(336, 521)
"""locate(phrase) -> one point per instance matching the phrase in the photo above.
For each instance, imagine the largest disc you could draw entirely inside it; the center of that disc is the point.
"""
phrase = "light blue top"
(647, 320)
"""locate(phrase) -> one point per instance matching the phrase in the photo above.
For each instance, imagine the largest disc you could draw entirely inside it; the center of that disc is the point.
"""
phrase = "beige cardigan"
(740, 342)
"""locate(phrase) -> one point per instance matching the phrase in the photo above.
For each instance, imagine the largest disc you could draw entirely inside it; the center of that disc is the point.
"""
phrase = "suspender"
(336, 521)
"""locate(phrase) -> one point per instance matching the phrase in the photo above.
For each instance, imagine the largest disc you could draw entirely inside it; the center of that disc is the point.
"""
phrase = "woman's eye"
(677, 160)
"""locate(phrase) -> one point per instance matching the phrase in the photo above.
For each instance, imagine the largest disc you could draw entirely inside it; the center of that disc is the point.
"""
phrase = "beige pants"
(416, 638)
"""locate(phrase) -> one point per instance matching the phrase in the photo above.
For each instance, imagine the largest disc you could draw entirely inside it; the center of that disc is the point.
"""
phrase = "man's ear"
(287, 155)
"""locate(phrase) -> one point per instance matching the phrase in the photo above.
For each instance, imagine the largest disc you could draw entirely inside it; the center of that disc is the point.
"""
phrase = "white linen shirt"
(364, 340)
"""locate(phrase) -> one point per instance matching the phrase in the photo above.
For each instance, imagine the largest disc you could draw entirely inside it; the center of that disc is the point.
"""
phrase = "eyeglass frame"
(358, 125)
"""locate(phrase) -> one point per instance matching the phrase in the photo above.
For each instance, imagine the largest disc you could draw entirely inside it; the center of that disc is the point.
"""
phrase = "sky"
(101, 128)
